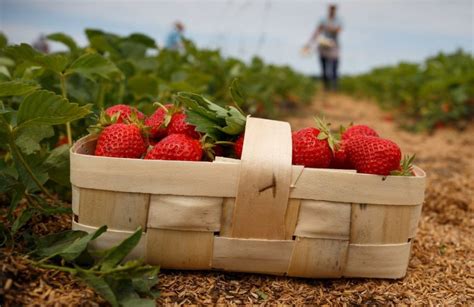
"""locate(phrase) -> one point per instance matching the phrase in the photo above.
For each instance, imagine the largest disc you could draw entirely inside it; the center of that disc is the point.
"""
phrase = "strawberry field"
(426, 95)
(142, 102)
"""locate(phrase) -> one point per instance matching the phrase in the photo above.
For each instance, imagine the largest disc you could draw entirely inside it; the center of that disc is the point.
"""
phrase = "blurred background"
(374, 32)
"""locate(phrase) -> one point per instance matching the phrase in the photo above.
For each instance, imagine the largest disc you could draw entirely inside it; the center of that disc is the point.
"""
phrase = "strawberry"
(358, 130)
(121, 140)
(238, 145)
(178, 125)
(309, 149)
(123, 112)
(176, 147)
(157, 122)
(373, 155)
(340, 159)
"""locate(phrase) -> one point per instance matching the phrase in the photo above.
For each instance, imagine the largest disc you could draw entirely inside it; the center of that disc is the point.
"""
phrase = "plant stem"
(28, 169)
(55, 267)
(62, 78)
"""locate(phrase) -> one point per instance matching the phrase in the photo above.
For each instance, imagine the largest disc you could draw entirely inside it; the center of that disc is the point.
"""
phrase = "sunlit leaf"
(92, 65)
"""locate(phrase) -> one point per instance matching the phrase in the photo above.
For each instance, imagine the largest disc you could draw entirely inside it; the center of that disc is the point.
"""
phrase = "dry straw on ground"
(441, 269)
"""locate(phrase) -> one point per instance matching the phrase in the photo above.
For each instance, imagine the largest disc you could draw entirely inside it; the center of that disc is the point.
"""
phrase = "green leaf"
(91, 65)
(3, 40)
(57, 165)
(22, 219)
(142, 39)
(143, 85)
(24, 52)
(16, 88)
(47, 245)
(210, 118)
(237, 93)
(71, 249)
(99, 285)
(5, 72)
(116, 254)
(4, 61)
(34, 166)
(45, 107)
(138, 302)
(28, 139)
(65, 39)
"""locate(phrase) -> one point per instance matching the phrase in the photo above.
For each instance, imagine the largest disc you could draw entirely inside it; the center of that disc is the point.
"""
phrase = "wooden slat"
(322, 219)
(264, 183)
(322, 184)
(318, 258)
(379, 261)
(375, 224)
(176, 249)
(111, 238)
(291, 218)
(414, 220)
(195, 213)
(226, 219)
(117, 210)
(247, 255)
(75, 199)
(221, 180)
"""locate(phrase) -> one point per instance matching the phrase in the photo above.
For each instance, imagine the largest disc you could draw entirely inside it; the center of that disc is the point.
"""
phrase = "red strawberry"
(340, 159)
(156, 122)
(358, 130)
(176, 147)
(124, 112)
(309, 150)
(373, 155)
(238, 145)
(121, 141)
(178, 125)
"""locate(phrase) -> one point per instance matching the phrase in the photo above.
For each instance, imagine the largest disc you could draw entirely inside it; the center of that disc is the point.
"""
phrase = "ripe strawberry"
(373, 155)
(238, 145)
(121, 141)
(176, 147)
(178, 125)
(358, 130)
(340, 159)
(309, 150)
(157, 122)
(123, 112)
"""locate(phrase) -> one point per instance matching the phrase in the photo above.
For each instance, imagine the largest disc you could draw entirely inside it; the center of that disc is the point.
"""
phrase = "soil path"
(441, 269)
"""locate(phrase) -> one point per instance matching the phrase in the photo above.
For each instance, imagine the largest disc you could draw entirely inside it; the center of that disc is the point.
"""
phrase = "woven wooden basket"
(258, 214)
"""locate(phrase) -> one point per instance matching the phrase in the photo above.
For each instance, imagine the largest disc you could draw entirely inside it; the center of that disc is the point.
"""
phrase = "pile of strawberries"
(167, 135)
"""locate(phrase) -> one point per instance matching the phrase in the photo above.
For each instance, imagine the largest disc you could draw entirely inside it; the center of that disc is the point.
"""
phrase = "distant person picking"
(326, 38)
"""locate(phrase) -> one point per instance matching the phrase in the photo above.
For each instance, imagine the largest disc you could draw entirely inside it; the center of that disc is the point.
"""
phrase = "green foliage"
(45, 96)
(439, 91)
(120, 282)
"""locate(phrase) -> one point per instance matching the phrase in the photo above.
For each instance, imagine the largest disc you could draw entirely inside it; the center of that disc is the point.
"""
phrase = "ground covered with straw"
(441, 269)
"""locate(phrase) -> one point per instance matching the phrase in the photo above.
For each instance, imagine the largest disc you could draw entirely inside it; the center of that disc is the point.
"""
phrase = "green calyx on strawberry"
(117, 114)
(159, 120)
(123, 112)
(406, 167)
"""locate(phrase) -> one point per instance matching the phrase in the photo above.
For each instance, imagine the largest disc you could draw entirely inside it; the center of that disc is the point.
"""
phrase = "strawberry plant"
(437, 92)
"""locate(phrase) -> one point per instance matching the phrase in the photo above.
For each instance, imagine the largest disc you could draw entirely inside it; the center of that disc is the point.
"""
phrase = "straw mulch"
(441, 269)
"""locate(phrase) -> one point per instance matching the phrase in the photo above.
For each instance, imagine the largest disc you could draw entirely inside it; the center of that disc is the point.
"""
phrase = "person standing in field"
(174, 38)
(326, 38)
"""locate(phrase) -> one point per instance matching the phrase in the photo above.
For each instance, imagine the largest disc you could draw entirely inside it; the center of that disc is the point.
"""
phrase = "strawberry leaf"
(92, 65)
(45, 107)
(65, 39)
(17, 88)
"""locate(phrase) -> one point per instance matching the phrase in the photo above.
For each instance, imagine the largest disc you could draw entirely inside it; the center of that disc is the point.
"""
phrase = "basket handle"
(264, 183)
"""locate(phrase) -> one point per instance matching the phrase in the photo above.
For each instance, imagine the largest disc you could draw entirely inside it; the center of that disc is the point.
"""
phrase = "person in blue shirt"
(173, 40)
(326, 38)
